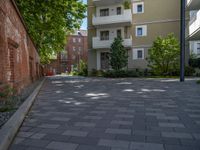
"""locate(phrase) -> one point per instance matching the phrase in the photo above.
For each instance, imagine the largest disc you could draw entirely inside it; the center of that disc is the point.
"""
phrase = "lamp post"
(182, 42)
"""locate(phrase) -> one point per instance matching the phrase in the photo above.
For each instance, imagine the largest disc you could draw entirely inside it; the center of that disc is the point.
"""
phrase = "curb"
(10, 128)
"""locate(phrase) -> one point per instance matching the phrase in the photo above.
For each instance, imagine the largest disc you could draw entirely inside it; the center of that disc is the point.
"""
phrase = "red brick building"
(75, 50)
(19, 59)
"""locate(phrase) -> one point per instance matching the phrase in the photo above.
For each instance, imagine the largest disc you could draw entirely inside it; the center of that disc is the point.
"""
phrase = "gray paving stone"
(114, 143)
(61, 146)
(75, 133)
(50, 126)
(96, 114)
(85, 124)
(177, 135)
(145, 146)
(171, 125)
(18, 140)
(119, 131)
(60, 119)
(121, 122)
(37, 136)
(25, 134)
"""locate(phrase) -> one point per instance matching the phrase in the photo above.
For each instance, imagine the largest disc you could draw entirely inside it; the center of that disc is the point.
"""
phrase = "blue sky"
(84, 25)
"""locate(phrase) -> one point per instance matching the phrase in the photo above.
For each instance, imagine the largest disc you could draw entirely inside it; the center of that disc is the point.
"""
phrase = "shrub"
(189, 71)
(194, 62)
(127, 4)
(198, 82)
(121, 74)
(164, 55)
(83, 71)
(118, 55)
(8, 98)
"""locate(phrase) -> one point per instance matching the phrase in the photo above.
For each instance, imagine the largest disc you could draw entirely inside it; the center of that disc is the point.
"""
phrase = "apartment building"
(138, 25)
(194, 26)
(76, 49)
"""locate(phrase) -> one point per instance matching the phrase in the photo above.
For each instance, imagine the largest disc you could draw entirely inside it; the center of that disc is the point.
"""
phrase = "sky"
(84, 25)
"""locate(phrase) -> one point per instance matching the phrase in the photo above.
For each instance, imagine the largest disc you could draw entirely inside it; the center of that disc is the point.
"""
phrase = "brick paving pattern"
(112, 114)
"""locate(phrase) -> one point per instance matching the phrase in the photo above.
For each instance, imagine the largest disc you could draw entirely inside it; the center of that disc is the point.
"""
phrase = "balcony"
(124, 19)
(193, 4)
(106, 2)
(194, 29)
(99, 44)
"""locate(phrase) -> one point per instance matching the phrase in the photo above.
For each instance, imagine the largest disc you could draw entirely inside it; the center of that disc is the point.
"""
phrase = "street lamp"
(182, 42)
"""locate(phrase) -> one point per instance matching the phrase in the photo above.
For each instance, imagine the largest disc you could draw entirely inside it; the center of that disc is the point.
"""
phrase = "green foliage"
(164, 55)
(83, 71)
(49, 22)
(189, 71)
(8, 99)
(122, 74)
(127, 4)
(198, 82)
(194, 62)
(118, 56)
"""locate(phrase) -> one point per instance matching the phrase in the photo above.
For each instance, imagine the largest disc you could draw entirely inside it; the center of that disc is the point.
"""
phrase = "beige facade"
(139, 25)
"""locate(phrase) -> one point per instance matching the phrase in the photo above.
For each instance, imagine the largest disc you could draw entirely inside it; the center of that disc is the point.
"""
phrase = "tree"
(118, 56)
(49, 22)
(164, 55)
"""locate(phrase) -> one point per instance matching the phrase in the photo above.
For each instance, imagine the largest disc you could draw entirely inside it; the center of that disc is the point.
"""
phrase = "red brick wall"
(74, 57)
(19, 60)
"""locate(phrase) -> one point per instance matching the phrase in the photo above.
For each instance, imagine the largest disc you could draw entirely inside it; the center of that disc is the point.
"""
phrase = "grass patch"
(198, 82)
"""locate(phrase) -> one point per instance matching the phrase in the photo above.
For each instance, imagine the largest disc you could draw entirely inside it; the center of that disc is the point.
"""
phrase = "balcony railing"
(125, 17)
(193, 4)
(195, 25)
(106, 2)
(98, 44)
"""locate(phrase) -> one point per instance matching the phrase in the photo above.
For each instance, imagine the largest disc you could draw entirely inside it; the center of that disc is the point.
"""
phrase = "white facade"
(195, 47)
(194, 29)
(113, 18)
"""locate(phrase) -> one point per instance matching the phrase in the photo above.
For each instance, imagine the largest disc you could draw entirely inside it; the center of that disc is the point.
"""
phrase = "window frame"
(135, 7)
(104, 12)
(144, 31)
(135, 53)
(104, 38)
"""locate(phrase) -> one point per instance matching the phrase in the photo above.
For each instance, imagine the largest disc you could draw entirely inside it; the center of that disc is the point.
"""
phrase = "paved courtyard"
(112, 114)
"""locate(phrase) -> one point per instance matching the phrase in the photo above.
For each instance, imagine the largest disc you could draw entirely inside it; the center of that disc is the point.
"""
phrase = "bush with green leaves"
(194, 62)
(127, 4)
(83, 71)
(122, 74)
(118, 55)
(8, 98)
(164, 55)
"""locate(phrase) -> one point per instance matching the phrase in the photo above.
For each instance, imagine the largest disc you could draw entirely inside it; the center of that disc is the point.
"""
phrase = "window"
(138, 8)
(119, 33)
(141, 31)
(119, 10)
(104, 12)
(79, 40)
(138, 53)
(74, 40)
(74, 48)
(104, 35)
(198, 48)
